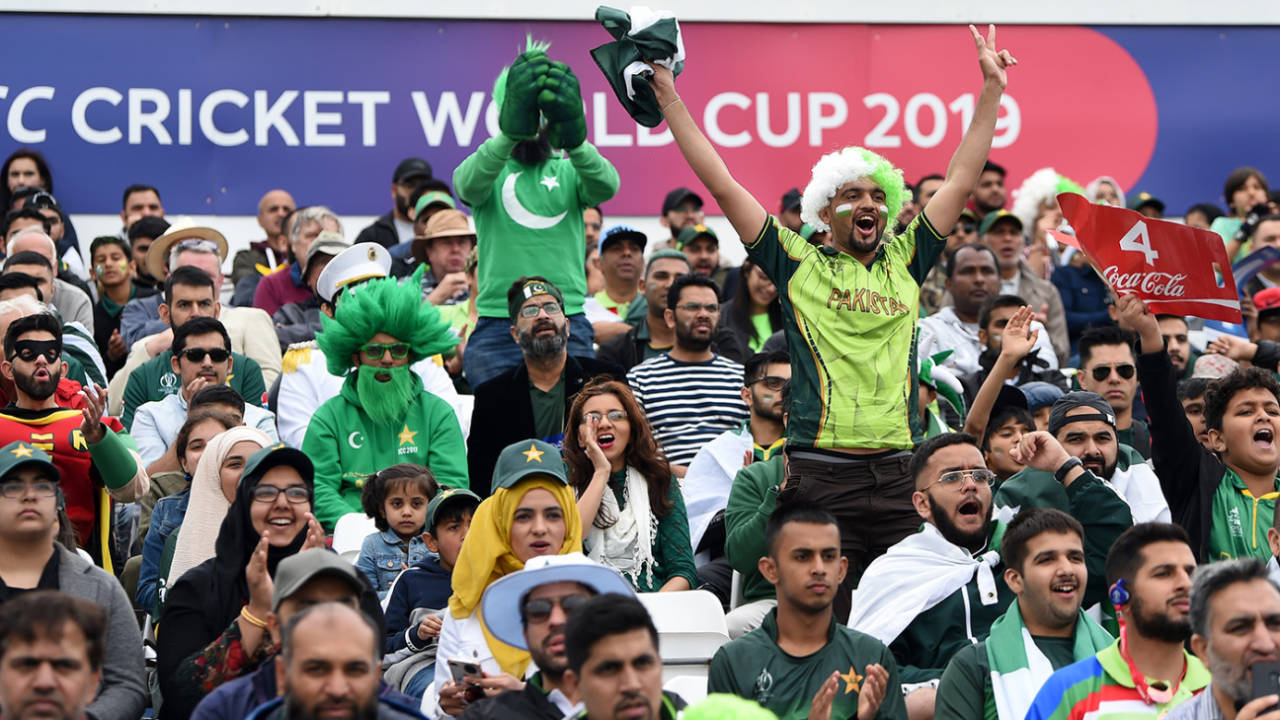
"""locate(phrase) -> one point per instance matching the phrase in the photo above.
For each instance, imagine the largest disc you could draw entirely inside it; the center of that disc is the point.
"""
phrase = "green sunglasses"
(374, 351)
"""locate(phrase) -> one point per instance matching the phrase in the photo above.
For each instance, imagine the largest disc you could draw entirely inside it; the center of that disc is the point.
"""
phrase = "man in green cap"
(701, 246)
(527, 188)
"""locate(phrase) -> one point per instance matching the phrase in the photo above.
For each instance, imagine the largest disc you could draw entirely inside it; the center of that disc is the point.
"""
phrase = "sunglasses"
(552, 308)
(1102, 372)
(295, 494)
(538, 610)
(196, 355)
(773, 382)
(614, 416)
(374, 351)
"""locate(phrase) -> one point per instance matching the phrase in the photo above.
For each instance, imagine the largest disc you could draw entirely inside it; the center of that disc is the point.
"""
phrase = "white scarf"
(627, 545)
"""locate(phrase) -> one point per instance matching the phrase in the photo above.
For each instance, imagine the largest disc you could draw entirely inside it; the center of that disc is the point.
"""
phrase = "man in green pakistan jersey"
(1044, 628)
(382, 415)
(527, 188)
(850, 310)
(801, 662)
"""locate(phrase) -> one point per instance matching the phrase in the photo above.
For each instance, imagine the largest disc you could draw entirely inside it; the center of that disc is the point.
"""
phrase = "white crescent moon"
(351, 440)
(519, 213)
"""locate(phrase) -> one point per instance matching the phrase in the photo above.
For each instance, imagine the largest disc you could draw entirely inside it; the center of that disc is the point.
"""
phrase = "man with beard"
(528, 200)
(989, 194)
(382, 415)
(330, 665)
(1085, 425)
(1043, 550)
(532, 399)
(1235, 624)
(701, 245)
(1107, 368)
(1173, 328)
(288, 284)
(1146, 672)
(397, 226)
(940, 589)
(689, 394)
(91, 450)
(681, 208)
(649, 335)
(528, 610)
(795, 663)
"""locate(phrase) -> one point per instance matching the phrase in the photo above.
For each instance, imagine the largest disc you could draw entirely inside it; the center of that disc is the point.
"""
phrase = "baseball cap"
(791, 199)
(1039, 393)
(411, 167)
(301, 568)
(362, 261)
(993, 217)
(43, 199)
(1267, 299)
(532, 288)
(693, 232)
(1076, 399)
(326, 243)
(526, 458)
(275, 456)
(18, 454)
(1144, 198)
(677, 197)
(620, 232)
(433, 197)
(502, 604)
(448, 496)
(664, 254)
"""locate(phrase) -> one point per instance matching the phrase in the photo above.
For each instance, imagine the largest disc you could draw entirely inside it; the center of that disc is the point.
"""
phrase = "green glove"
(518, 116)
(561, 101)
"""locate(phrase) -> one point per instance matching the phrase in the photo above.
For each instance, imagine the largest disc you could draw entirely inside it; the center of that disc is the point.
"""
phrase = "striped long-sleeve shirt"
(1101, 688)
(688, 404)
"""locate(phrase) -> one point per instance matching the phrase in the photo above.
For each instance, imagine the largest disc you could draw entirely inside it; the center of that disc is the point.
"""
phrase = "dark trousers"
(870, 497)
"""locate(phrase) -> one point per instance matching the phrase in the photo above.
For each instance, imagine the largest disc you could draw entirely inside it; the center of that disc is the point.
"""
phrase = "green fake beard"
(386, 402)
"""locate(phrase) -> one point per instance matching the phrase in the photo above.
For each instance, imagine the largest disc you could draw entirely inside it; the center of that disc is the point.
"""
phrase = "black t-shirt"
(48, 581)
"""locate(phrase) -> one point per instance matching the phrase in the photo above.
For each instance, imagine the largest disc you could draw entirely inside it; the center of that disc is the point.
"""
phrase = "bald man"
(72, 303)
(273, 251)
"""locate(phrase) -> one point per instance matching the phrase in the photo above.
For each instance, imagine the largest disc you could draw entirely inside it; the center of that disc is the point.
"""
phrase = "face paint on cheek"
(884, 211)
(99, 269)
(844, 210)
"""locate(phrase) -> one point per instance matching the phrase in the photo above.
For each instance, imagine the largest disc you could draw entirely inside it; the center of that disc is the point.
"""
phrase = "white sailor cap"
(358, 262)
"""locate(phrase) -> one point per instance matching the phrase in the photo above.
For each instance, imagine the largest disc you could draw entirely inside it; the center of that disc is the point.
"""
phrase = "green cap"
(433, 197)
(667, 254)
(19, 454)
(993, 217)
(521, 459)
(273, 456)
(299, 569)
(1142, 199)
(693, 232)
(450, 496)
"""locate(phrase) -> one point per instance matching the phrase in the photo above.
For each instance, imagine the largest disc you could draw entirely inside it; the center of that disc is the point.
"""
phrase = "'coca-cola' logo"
(1151, 284)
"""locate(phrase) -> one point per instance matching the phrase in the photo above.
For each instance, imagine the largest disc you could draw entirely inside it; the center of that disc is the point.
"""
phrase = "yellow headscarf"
(486, 556)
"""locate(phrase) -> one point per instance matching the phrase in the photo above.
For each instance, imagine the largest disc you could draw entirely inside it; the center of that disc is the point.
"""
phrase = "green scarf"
(1018, 668)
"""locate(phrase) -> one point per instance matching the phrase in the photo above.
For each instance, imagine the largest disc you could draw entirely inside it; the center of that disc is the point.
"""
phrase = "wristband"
(1061, 472)
(251, 618)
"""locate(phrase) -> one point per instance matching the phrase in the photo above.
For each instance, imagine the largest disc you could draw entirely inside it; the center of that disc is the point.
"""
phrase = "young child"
(412, 614)
(396, 498)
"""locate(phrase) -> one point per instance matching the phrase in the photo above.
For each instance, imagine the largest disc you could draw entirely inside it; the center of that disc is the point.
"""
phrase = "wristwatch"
(1061, 472)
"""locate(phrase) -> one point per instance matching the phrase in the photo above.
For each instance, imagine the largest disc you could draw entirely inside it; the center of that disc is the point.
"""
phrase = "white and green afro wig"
(1043, 186)
(841, 167)
(383, 305)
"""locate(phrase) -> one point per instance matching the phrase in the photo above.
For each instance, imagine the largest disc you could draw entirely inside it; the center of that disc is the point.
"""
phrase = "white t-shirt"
(403, 229)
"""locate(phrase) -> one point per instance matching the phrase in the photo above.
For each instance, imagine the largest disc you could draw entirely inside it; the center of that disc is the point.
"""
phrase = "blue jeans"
(491, 351)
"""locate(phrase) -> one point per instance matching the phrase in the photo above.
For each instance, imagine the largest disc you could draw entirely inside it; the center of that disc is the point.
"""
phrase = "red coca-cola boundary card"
(1174, 268)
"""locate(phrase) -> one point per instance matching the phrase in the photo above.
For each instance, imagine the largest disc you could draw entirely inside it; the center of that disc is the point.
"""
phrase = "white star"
(550, 183)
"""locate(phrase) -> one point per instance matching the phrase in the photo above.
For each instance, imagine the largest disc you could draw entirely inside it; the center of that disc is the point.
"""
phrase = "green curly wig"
(719, 706)
(838, 168)
(383, 305)
(500, 83)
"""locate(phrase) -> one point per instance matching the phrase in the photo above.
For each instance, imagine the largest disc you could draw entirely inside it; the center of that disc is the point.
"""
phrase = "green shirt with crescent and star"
(851, 330)
(346, 447)
(529, 218)
(754, 667)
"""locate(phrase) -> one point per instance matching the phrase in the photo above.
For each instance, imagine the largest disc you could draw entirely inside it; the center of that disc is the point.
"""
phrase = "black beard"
(540, 347)
(35, 389)
(402, 206)
(765, 410)
(973, 541)
(294, 710)
(1157, 626)
(1107, 470)
(532, 152)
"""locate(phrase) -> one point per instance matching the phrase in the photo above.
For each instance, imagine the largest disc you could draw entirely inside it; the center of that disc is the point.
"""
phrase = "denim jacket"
(384, 555)
(165, 518)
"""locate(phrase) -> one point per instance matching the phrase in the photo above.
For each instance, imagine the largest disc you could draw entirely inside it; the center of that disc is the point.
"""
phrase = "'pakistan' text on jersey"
(851, 331)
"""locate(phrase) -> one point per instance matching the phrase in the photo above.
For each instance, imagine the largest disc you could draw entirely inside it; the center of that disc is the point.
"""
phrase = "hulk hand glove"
(518, 116)
(561, 102)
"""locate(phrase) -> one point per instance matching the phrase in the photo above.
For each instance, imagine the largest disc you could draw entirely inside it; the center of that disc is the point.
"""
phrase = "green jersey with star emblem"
(529, 218)
(851, 331)
(754, 667)
(346, 447)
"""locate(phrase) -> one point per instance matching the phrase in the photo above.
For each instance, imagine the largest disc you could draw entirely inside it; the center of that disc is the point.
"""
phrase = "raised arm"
(1016, 341)
(744, 212)
(962, 174)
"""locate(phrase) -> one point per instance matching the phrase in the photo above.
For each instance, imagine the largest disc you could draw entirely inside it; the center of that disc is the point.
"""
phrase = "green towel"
(657, 39)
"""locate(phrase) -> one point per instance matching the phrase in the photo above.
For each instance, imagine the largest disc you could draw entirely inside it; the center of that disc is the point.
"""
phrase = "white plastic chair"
(735, 591)
(349, 534)
(691, 627)
(690, 688)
